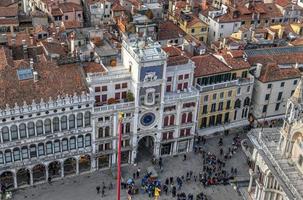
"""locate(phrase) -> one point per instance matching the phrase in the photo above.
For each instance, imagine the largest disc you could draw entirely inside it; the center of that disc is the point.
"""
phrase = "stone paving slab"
(83, 187)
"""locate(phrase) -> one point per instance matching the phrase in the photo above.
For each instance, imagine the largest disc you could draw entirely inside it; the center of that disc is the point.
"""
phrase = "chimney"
(203, 5)
(31, 39)
(258, 70)
(31, 63)
(36, 77)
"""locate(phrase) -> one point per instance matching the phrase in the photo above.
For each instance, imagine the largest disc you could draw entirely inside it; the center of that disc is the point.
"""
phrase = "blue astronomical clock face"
(147, 119)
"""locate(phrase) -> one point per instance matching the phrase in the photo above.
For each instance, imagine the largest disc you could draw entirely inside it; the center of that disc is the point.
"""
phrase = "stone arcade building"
(278, 156)
(61, 120)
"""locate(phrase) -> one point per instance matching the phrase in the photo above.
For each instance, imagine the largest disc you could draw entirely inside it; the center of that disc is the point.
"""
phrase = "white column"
(175, 147)
(31, 177)
(62, 169)
(46, 173)
(250, 180)
(77, 166)
(15, 180)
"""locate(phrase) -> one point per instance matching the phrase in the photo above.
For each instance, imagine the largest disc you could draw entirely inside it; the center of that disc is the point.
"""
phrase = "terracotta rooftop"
(169, 30)
(175, 56)
(9, 11)
(19, 36)
(272, 72)
(5, 3)
(93, 67)
(117, 7)
(70, 7)
(54, 48)
(236, 63)
(208, 65)
(53, 81)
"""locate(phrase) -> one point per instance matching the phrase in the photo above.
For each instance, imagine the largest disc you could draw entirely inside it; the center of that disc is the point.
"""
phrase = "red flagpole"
(119, 156)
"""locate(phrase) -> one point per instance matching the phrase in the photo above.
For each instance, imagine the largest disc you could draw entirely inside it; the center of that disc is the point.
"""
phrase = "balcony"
(115, 107)
(186, 94)
(237, 82)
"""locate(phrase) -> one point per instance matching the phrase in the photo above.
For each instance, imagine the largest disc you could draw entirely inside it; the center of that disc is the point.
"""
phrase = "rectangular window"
(8, 157)
(280, 96)
(214, 96)
(220, 106)
(180, 77)
(124, 85)
(33, 152)
(57, 147)
(229, 93)
(169, 79)
(204, 109)
(204, 122)
(295, 82)
(24, 153)
(49, 148)
(206, 98)
(117, 95)
(1, 159)
(117, 86)
(292, 92)
(124, 94)
(269, 86)
(277, 106)
(104, 98)
(64, 145)
(16, 155)
(168, 88)
(41, 150)
(226, 117)
(221, 95)
(87, 140)
(264, 108)
(267, 97)
(213, 107)
(97, 99)
(104, 88)
(186, 76)
(282, 84)
(97, 89)
(228, 104)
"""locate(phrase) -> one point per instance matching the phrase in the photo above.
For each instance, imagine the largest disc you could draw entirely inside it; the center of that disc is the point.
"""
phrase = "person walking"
(160, 163)
(138, 172)
(184, 157)
(129, 194)
(103, 192)
(157, 193)
(98, 189)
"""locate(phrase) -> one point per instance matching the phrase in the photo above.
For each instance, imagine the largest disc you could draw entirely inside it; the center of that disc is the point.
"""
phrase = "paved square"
(84, 187)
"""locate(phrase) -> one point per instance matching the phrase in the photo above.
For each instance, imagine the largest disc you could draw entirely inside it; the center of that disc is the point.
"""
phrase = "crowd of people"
(213, 171)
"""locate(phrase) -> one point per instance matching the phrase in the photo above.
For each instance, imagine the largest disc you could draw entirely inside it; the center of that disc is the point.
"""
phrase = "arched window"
(31, 129)
(80, 141)
(87, 119)
(100, 132)
(71, 121)
(5, 134)
(22, 130)
(246, 101)
(166, 118)
(189, 117)
(49, 148)
(172, 120)
(72, 143)
(79, 120)
(237, 104)
(39, 127)
(24, 153)
(56, 124)
(47, 126)
(16, 154)
(87, 140)
(33, 151)
(57, 146)
(183, 119)
(1, 158)
(127, 128)
(64, 144)
(41, 149)
(14, 132)
(63, 123)
(8, 156)
(106, 132)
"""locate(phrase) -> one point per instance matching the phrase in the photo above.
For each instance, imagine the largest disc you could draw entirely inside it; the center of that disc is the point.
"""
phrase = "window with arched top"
(64, 144)
(107, 132)
(14, 132)
(57, 148)
(16, 153)
(183, 118)
(80, 141)
(5, 134)
(172, 120)
(49, 147)
(71, 121)
(166, 120)
(31, 129)
(56, 126)
(87, 117)
(33, 151)
(41, 151)
(87, 140)
(79, 120)
(22, 130)
(47, 126)
(63, 123)
(127, 127)
(39, 127)
(100, 132)
(72, 143)
(237, 104)
(189, 117)
(8, 156)
(246, 101)
(24, 152)
(1, 158)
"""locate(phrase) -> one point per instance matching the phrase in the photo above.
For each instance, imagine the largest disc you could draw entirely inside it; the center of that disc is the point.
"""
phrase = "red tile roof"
(53, 81)
(272, 72)
(9, 11)
(175, 56)
(208, 65)
(93, 67)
